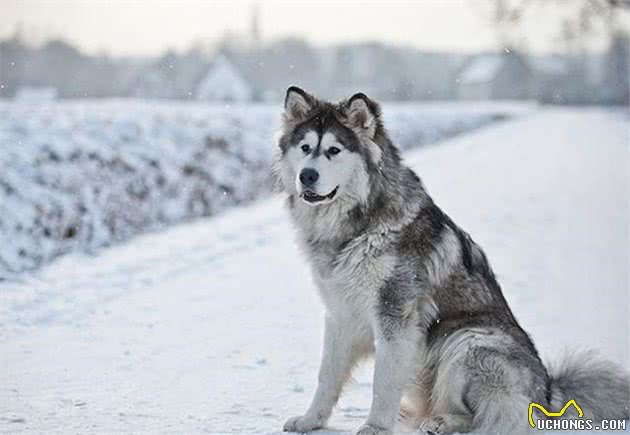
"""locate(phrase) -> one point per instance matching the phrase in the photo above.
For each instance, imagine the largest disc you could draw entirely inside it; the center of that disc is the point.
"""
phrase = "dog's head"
(326, 149)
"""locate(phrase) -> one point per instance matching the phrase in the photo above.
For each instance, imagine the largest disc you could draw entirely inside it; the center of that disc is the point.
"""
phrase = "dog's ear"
(297, 104)
(363, 114)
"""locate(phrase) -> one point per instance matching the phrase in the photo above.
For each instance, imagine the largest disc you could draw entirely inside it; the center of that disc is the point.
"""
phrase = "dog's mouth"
(313, 198)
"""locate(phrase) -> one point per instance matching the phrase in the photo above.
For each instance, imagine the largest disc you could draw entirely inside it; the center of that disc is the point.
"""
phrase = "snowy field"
(78, 176)
(214, 326)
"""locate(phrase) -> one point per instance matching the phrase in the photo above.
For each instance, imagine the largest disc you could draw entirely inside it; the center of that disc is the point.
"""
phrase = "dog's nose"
(309, 176)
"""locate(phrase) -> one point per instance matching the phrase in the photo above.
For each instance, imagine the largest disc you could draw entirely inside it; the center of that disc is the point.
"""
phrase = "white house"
(496, 76)
(223, 82)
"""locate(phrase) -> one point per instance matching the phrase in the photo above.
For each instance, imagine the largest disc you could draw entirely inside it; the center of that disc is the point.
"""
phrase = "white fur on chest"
(349, 280)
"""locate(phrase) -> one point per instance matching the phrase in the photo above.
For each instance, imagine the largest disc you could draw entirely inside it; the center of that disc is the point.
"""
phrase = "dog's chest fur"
(349, 267)
(350, 274)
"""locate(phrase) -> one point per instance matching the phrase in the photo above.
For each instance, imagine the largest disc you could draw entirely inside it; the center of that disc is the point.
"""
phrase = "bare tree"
(581, 19)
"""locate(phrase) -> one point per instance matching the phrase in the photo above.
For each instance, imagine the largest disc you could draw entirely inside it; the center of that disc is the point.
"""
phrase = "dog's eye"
(333, 150)
(306, 148)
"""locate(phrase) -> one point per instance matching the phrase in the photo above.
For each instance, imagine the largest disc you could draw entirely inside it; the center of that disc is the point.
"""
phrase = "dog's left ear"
(363, 114)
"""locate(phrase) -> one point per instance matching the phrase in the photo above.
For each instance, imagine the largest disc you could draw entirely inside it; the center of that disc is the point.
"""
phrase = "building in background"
(223, 82)
(551, 77)
(505, 76)
(252, 69)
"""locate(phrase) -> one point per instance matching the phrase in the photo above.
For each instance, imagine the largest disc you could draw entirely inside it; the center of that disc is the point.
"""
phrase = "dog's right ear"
(297, 104)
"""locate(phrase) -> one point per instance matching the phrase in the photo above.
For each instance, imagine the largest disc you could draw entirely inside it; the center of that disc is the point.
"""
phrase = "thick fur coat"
(402, 282)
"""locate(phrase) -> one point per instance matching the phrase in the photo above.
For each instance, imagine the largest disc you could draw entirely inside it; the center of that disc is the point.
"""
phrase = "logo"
(552, 414)
(572, 424)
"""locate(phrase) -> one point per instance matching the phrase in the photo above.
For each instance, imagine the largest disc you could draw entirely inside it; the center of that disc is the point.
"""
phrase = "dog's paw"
(446, 424)
(369, 429)
(433, 426)
(302, 424)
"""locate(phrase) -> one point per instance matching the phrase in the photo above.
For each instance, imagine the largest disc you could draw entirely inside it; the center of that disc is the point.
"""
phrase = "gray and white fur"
(400, 281)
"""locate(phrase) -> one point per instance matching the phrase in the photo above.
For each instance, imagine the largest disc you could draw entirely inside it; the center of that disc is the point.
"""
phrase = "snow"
(78, 176)
(214, 326)
(36, 94)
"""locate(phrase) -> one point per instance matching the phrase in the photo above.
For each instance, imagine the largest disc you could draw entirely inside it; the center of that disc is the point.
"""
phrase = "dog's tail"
(599, 387)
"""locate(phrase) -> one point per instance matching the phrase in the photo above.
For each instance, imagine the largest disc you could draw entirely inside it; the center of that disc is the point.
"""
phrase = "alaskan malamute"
(400, 280)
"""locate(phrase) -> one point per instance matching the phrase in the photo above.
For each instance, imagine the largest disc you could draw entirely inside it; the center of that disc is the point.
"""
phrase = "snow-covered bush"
(83, 175)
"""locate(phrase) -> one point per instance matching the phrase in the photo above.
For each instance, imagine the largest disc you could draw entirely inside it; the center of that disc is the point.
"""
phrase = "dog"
(402, 282)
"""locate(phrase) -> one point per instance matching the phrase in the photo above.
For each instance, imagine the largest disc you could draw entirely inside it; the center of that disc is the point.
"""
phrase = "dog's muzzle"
(312, 197)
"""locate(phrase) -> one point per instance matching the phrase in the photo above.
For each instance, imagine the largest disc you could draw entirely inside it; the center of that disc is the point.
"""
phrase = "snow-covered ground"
(215, 327)
(81, 175)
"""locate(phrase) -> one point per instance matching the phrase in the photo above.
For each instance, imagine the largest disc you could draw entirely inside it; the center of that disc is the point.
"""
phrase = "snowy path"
(215, 327)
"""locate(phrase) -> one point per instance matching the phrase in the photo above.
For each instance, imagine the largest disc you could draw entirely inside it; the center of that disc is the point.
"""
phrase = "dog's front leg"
(338, 357)
(396, 347)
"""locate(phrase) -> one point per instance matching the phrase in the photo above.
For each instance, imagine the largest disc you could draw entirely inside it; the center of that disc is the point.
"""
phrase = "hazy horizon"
(143, 28)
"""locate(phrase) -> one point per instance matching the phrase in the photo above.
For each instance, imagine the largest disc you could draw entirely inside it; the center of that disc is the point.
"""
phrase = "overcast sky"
(149, 27)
